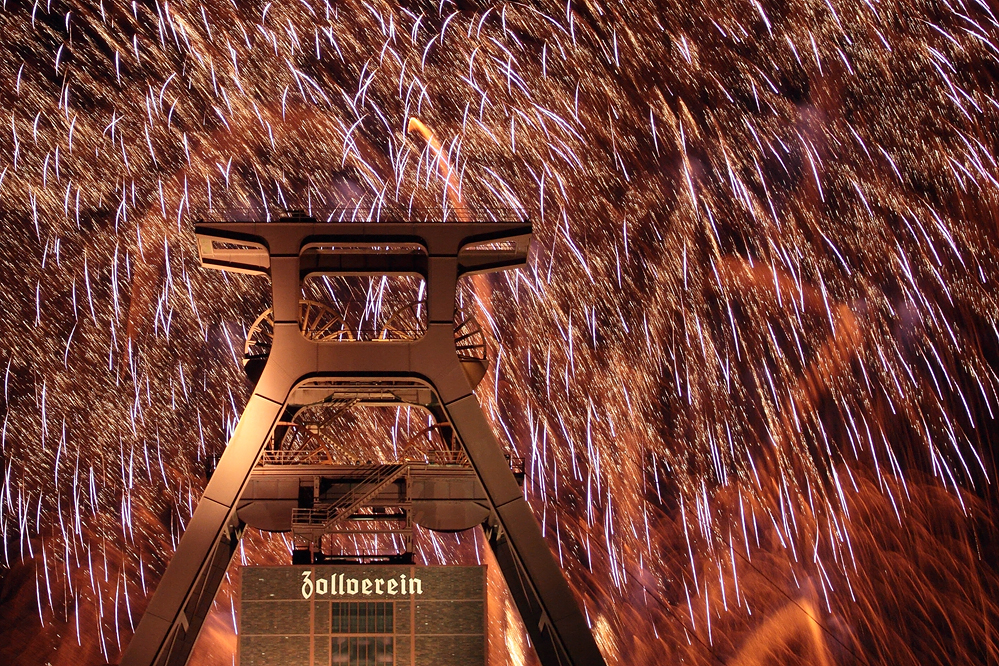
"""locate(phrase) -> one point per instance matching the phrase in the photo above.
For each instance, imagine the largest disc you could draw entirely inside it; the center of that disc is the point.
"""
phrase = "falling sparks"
(752, 364)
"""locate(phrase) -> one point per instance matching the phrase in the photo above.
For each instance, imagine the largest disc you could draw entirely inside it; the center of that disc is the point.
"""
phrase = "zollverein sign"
(341, 585)
(381, 614)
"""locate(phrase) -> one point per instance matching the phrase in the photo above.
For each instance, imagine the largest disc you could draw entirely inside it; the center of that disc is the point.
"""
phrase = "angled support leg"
(547, 606)
(170, 625)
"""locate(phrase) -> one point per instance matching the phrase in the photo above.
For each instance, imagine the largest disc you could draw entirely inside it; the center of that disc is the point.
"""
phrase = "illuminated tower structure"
(306, 364)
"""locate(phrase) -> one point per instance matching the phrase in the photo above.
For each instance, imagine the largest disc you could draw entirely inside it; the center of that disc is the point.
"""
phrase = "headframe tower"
(428, 371)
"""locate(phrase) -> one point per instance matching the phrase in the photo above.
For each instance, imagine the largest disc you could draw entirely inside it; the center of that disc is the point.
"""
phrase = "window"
(365, 625)
(365, 651)
(374, 617)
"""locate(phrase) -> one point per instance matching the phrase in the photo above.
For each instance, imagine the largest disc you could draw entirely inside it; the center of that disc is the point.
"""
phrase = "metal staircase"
(313, 523)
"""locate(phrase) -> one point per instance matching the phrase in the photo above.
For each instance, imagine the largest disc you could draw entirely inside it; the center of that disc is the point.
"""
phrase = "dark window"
(374, 618)
(351, 617)
(362, 651)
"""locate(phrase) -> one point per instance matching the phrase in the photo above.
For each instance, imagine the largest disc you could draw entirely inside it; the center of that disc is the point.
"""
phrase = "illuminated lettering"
(307, 586)
(340, 585)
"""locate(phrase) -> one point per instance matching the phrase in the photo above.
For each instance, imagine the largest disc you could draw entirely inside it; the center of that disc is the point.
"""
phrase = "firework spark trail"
(443, 163)
(752, 365)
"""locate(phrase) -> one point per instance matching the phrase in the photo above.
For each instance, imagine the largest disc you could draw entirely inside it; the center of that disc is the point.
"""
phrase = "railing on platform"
(303, 457)
(322, 457)
(363, 212)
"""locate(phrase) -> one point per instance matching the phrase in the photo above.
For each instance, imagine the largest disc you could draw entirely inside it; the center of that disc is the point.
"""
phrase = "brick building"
(374, 615)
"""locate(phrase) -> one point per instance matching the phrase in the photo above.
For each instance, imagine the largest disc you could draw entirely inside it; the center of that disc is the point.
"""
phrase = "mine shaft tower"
(433, 371)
